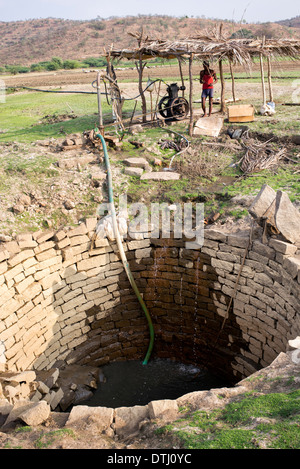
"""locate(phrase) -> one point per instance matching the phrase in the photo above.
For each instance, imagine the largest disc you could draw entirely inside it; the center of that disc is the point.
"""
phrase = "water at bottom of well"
(129, 383)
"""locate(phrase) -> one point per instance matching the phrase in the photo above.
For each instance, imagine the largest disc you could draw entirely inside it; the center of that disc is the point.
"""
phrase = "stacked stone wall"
(65, 298)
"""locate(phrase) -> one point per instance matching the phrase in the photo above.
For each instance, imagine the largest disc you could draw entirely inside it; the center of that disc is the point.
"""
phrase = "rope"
(83, 92)
(53, 91)
(135, 97)
(236, 285)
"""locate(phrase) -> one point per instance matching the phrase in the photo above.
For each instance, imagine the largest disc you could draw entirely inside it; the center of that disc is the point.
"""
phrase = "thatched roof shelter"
(215, 46)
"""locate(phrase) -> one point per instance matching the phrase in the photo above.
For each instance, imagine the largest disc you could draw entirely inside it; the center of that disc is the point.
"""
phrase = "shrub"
(242, 33)
(14, 69)
(36, 68)
(95, 62)
(55, 64)
(52, 66)
(71, 64)
(98, 25)
(58, 61)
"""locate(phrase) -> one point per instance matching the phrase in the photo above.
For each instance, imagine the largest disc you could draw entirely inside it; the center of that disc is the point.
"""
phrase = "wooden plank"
(270, 79)
(191, 95)
(242, 119)
(241, 113)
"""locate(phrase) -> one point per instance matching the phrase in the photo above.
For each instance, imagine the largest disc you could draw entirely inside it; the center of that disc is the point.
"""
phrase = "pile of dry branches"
(169, 144)
(259, 156)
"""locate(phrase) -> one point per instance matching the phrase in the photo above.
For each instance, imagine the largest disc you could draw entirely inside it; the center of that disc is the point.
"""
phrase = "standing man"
(208, 78)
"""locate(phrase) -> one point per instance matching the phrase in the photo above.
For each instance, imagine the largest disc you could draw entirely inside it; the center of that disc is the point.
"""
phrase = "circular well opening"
(130, 383)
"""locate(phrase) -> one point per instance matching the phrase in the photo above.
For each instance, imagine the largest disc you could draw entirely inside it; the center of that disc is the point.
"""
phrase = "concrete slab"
(161, 176)
(137, 163)
(210, 126)
(132, 171)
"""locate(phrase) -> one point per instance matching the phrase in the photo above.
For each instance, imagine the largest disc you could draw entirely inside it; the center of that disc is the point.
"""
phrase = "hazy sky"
(250, 10)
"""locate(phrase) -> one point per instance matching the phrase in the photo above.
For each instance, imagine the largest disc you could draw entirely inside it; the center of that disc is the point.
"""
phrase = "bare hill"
(32, 41)
(291, 23)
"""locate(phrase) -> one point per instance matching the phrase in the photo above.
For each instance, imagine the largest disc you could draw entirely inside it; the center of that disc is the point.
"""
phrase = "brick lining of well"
(66, 298)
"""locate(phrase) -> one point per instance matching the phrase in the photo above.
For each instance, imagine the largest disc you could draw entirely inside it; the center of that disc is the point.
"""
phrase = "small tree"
(242, 33)
(55, 64)
(71, 64)
(36, 67)
(58, 61)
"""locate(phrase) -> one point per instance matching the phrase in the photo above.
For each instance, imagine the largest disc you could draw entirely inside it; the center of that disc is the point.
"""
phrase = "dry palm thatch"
(259, 156)
(275, 47)
(213, 44)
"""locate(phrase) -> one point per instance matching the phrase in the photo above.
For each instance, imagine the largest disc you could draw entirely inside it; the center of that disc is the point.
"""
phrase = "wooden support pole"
(270, 79)
(156, 103)
(140, 68)
(117, 101)
(262, 78)
(101, 128)
(223, 106)
(232, 81)
(132, 115)
(262, 73)
(191, 95)
(181, 75)
(151, 110)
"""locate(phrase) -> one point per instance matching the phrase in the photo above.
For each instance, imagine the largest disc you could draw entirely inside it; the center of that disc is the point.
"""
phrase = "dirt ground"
(77, 182)
(81, 80)
(71, 187)
(280, 377)
(50, 434)
(78, 76)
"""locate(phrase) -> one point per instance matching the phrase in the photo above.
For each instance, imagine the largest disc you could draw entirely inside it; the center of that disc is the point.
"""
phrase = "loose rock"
(36, 414)
(69, 204)
(18, 209)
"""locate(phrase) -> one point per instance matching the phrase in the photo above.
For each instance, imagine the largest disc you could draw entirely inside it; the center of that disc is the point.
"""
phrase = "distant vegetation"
(242, 33)
(56, 63)
(291, 23)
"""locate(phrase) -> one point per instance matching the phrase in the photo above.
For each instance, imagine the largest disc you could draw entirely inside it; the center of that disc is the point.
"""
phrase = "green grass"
(263, 421)
(282, 179)
(21, 115)
(47, 439)
(33, 167)
(285, 122)
(22, 122)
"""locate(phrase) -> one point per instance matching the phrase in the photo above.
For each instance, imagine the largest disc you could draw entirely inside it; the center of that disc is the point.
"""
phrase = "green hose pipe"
(121, 249)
